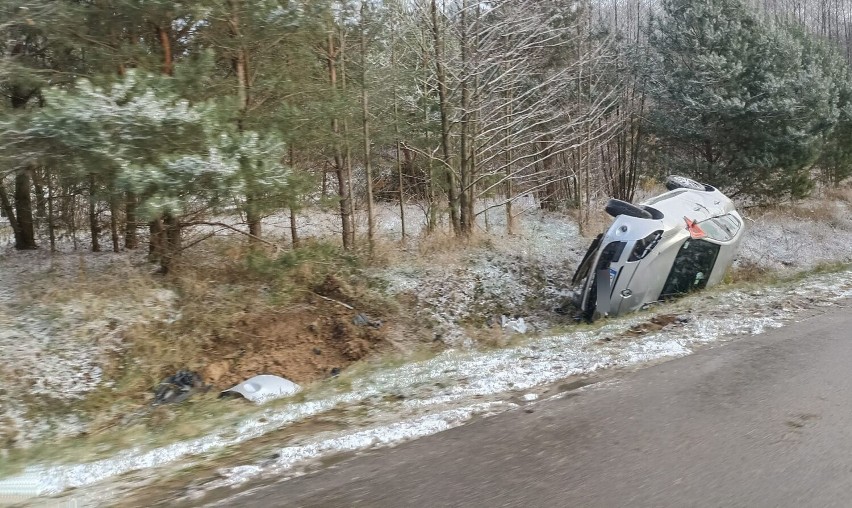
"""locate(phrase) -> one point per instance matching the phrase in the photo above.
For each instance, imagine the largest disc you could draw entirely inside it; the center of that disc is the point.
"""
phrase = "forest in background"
(143, 118)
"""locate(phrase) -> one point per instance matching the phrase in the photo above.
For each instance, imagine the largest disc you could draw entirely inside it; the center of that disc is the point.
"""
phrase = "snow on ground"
(54, 351)
(524, 275)
(420, 398)
(779, 242)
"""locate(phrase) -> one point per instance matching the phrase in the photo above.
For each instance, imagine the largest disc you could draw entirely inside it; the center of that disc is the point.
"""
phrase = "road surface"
(761, 421)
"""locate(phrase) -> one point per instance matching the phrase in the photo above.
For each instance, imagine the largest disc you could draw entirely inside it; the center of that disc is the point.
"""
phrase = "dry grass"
(746, 272)
(841, 193)
(597, 221)
(443, 243)
(817, 211)
(216, 289)
(830, 211)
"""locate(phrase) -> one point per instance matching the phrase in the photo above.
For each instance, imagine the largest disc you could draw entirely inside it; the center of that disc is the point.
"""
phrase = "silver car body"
(640, 260)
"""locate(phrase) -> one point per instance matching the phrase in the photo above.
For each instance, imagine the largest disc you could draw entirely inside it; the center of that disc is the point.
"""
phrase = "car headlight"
(644, 246)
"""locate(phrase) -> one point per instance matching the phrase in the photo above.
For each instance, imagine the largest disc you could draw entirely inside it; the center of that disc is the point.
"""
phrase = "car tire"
(616, 207)
(681, 182)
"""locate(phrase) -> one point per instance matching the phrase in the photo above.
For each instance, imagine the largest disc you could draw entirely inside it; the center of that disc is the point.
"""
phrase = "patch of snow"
(786, 244)
(516, 325)
(55, 350)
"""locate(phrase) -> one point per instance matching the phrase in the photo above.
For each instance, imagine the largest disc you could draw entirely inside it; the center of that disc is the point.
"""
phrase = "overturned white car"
(675, 243)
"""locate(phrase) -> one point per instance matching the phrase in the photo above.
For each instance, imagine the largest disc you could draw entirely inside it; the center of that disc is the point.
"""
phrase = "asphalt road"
(761, 421)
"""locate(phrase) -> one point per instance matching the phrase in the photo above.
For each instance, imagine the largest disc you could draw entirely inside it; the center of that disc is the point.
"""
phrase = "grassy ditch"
(240, 310)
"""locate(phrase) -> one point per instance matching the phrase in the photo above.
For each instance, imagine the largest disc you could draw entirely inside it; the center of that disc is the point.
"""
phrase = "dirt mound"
(303, 343)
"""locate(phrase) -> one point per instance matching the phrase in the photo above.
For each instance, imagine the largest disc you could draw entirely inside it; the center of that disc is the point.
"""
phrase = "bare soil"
(303, 343)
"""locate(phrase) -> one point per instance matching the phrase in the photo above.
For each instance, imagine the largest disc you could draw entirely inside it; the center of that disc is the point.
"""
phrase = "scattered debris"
(264, 388)
(657, 323)
(335, 301)
(364, 320)
(516, 325)
(178, 387)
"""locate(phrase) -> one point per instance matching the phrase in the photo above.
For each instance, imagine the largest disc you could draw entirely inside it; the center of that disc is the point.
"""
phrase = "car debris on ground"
(178, 387)
(263, 388)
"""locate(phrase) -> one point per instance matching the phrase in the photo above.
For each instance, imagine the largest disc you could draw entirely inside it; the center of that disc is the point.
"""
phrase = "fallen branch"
(277, 247)
(196, 242)
(334, 301)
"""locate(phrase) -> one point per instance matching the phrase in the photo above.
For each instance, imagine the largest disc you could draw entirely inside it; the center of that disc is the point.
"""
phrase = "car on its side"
(680, 241)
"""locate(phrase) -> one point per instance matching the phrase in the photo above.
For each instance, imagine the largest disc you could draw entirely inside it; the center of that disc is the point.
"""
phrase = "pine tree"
(739, 104)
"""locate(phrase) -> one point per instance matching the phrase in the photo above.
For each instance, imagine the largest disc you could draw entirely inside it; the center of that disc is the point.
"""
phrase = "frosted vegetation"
(444, 162)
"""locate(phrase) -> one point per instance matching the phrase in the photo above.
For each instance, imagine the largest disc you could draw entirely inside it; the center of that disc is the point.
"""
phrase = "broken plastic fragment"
(516, 325)
(263, 388)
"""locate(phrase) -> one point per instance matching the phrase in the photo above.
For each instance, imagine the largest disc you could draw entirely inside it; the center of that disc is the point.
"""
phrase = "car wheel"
(681, 182)
(616, 207)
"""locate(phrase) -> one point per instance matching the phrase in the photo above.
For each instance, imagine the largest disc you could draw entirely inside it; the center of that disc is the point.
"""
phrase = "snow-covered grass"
(402, 402)
(454, 291)
(61, 321)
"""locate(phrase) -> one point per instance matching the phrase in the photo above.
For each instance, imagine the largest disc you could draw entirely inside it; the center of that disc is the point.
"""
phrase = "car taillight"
(644, 246)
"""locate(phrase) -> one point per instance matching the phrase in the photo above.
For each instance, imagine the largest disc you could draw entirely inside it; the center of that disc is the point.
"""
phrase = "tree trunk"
(25, 233)
(347, 158)
(240, 62)
(113, 223)
(163, 36)
(452, 197)
(465, 226)
(548, 198)
(365, 110)
(51, 226)
(40, 201)
(429, 190)
(156, 240)
(8, 211)
(172, 243)
(131, 241)
(72, 220)
(396, 135)
(510, 192)
(94, 227)
(339, 166)
(294, 231)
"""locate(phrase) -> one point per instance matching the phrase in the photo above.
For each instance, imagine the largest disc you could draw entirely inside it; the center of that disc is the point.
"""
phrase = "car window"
(722, 228)
(691, 268)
